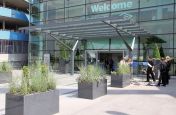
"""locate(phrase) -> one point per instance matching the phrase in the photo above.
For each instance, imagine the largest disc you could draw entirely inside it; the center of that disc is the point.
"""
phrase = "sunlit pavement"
(137, 99)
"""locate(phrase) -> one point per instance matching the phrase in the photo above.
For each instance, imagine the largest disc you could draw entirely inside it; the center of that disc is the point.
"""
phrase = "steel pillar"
(72, 62)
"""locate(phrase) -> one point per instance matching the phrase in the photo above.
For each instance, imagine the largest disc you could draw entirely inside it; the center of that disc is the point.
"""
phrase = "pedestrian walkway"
(136, 99)
(133, 100)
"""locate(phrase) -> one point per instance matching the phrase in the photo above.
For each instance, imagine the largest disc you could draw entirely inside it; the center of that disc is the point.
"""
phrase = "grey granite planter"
(92, 90)
(45, 103)
(120, 80)
(5, 77)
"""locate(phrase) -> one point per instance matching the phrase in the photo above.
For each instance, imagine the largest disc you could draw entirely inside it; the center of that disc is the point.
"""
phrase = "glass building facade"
(158, 17)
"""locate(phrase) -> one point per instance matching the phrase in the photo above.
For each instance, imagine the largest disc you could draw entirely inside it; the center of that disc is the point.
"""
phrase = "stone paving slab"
(137, 99)
(132, 100)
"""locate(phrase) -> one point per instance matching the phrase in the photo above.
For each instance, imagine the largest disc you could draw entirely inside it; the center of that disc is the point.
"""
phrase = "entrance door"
(109, 60)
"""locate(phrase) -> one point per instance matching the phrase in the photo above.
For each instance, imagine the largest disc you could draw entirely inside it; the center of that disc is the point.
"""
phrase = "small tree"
(156, 53)
(64, 51)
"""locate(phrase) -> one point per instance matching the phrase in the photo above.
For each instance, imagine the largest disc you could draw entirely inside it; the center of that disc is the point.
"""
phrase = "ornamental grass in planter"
(121, 77)
(34, 94)
(5, 72)
(91, 82)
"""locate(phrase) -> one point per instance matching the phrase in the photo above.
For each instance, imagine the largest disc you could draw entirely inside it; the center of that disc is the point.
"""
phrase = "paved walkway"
(136, 99)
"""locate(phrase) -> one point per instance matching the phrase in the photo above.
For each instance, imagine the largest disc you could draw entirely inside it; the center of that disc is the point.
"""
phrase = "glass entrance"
(109, 60)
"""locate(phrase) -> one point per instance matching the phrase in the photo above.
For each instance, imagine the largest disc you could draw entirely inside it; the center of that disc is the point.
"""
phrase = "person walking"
(168, 66)
(106, 63)
(111, 64)
(150, 68)
(163, 72)
(123, 61)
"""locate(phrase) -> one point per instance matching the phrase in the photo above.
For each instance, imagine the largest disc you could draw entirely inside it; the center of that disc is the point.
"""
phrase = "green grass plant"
(5, 67)
(91, 74)
(123, 69)
(156, 52)
(36, 78)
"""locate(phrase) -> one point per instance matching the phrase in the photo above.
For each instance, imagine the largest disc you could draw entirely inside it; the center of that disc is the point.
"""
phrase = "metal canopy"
(93, 28)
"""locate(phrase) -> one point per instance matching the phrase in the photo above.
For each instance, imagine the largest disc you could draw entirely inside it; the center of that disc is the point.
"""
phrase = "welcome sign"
(105, 7)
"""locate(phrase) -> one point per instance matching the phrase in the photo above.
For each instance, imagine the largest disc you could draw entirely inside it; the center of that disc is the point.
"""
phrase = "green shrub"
(38, 84)
(13, 86)
(64, 51)
(5, 67)
(156, 53)
(51, 82)
(36, 78)
(123, 69)
(90, 74)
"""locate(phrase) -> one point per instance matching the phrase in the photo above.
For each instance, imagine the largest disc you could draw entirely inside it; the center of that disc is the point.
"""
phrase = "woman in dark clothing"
(111, 64)
(163, 72)
(150, 68)
(168, 64)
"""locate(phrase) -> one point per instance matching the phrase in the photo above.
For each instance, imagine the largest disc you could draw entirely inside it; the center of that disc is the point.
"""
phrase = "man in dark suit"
(150, 68)
(163, 72)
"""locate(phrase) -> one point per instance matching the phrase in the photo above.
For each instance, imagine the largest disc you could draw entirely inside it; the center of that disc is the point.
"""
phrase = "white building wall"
(13, 57)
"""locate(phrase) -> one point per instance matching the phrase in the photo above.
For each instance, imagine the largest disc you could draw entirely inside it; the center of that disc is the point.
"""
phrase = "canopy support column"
(117, 31)
(72, 51)
(72, 62)
(73, 57)
(59, 41)
(85, 60)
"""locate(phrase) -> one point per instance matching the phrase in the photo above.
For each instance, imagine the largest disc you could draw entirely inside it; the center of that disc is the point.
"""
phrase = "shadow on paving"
(168, 90)
(116, 113)
(140, 92)
(64, 91)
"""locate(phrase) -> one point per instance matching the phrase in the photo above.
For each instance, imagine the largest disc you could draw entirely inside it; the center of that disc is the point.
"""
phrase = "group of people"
(164, 68)
(127, 61)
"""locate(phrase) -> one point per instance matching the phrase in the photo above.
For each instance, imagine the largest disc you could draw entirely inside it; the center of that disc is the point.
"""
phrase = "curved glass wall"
(158, 17)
